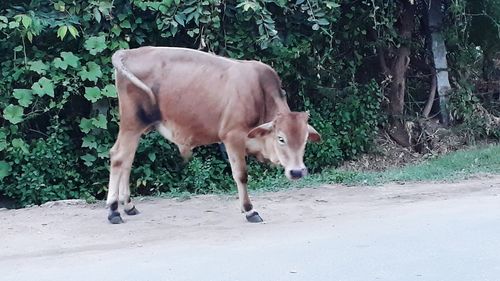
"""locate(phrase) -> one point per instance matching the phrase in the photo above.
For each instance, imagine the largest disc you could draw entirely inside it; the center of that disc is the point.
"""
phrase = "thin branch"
(432, 95)
(39, 132)
(24, 51)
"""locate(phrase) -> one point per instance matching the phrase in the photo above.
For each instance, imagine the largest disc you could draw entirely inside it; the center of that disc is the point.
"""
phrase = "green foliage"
(46, 169)
(454, 166)
(13, 113)
(473, 36)
(59, 105)
(475, 121)
(348, 125)
(206, 174)
(485, 24)
(43, 87)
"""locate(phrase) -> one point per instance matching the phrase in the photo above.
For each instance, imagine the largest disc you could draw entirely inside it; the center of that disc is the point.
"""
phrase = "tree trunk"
(397, 71)
(398, 85)
(435, 18)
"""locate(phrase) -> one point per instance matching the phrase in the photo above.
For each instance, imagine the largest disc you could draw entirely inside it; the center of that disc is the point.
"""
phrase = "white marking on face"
(292, 160)
(254, 145)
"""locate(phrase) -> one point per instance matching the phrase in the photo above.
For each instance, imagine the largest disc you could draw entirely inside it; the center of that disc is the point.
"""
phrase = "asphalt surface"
(451, 233)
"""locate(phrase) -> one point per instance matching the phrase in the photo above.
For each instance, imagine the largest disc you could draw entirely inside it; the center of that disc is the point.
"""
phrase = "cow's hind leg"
(121, 156)
(235, 147)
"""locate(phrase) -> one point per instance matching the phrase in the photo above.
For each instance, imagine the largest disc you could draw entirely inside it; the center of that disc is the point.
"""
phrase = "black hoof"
(132, 212)
(254, 217)
(115, 218)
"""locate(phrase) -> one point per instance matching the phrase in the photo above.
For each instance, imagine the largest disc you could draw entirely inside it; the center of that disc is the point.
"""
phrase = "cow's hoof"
(254, 217)
(115, 218)
(132, 212)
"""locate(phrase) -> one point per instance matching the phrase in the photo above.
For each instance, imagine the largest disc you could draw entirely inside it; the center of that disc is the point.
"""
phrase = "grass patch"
(450, 167)
(453, 166)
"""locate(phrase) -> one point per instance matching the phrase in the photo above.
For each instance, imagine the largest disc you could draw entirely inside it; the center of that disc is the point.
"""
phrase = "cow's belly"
(185, 137)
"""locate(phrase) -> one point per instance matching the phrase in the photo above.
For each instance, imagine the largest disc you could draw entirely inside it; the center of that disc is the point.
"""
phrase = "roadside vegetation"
(458, 165)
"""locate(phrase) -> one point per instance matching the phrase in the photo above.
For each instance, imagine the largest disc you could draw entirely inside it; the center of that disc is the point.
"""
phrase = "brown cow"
(194, 98)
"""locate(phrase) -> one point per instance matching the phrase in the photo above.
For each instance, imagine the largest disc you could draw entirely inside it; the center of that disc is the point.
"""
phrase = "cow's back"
(202, 97)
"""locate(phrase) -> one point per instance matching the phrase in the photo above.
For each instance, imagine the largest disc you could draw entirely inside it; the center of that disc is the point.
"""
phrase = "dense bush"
(59, 105)
(473, 43)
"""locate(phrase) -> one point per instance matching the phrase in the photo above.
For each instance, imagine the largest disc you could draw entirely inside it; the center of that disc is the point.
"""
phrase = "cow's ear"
(261, 130)
(314, 136)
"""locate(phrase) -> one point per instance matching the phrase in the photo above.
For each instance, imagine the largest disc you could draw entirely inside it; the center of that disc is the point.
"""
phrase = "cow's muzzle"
(295, 174)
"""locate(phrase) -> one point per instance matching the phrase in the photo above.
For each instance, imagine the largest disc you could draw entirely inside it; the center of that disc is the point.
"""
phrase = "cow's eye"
(281, 140)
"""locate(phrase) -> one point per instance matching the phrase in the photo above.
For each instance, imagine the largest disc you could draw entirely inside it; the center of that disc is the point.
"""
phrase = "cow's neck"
(273, 106)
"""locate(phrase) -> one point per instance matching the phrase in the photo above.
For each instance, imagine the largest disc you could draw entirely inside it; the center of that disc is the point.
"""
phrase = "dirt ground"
(50, 241)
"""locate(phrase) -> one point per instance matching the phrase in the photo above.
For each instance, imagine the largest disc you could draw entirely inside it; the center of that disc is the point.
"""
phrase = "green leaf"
(105, 7)
(5, 169)
(95, 44)
(88, 158)
(180, 18)
(29, 35)
(152, 156)
(70, 59)
(26, 20)
(91, 72)
(93, 94)
(100, 121)
(86, 125)
(38, 66)
(43, 87)
(13, 24)
(89, 141)
(323, 21)
(97, 14)
(109, 91)
(60, 6)
(3, 22)
(102, 152)
(122, 16)
(13, 113)
(189, 10)
(24, 96)
(19, 143)
(59, 63)
(125, 24)
(116, 30)
(3, 140)
(73, 31)
(332, 5)
(61, 32)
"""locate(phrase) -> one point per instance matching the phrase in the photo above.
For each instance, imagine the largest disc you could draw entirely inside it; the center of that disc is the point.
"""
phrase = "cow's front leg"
(235, 147)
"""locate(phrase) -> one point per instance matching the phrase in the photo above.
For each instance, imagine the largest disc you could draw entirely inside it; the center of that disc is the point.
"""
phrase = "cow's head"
(286, 137)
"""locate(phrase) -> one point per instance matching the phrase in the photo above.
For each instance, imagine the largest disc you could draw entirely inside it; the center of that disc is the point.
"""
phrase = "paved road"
(413, 232)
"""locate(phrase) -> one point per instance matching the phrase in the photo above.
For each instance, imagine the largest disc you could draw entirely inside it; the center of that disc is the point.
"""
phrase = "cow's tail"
(117, 60)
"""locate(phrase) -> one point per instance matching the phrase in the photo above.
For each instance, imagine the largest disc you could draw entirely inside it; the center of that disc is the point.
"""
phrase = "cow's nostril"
(296, 174)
